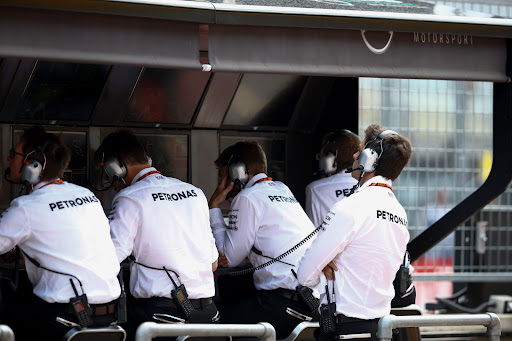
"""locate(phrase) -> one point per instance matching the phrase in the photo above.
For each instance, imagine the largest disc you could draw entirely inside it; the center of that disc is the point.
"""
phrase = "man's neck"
(134, 169)
(366, 177)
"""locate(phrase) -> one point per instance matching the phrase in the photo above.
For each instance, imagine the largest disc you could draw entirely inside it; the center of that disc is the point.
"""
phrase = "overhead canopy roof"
(379, 38)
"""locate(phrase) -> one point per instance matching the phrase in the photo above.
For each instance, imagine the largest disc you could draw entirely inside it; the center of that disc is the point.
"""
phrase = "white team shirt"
(321, 194)
(366, 236)
(267, 216)
(63, 227)
(163, 221)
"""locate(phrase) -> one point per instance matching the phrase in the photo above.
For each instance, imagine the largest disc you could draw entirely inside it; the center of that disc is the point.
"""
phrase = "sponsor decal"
(72, 203)
(443, 39)
(233, 220)
(391, 217)
(174, 196)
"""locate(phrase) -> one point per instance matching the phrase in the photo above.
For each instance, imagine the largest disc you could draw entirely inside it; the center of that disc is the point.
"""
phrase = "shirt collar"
(255, 178)
(141, 173)
(43, 183)
(378, 179)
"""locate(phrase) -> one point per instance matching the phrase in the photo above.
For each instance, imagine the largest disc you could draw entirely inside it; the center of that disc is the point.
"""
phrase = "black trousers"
(143, 309)
(32, 318)
(266, 306)
(346, 326)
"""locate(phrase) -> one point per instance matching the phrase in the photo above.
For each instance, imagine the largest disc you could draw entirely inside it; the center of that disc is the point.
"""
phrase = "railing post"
(489, 320)
(385, 329)
(494, 328)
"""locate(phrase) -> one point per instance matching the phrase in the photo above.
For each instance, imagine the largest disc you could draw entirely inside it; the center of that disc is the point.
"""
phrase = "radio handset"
(306, 296)
(180, 296)
(79, 304)
(122, 314)
(328, 312)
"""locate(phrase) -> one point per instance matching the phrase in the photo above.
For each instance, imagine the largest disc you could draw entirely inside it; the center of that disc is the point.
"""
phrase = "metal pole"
(148, 330)
(489, 320)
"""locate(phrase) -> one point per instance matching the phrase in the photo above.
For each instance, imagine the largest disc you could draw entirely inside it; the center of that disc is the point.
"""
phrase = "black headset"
(32, 169)
(368, 159)
(238, 171)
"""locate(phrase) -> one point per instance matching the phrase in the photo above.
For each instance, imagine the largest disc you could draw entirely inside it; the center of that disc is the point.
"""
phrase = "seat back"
(111, 333)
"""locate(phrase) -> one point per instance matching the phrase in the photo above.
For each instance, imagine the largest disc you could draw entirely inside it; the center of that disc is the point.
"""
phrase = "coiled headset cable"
(278, 258)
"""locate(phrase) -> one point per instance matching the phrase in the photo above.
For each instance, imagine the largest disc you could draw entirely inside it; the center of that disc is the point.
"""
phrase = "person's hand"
(221, 192)
(329, 271)
(223, 261)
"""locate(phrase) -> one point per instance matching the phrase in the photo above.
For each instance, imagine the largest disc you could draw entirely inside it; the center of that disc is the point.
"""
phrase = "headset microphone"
(350, 169)
(6, 177)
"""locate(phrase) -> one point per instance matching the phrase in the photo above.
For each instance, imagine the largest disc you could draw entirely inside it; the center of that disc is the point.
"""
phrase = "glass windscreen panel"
(167, 96)
(63, 91)
(265, 100)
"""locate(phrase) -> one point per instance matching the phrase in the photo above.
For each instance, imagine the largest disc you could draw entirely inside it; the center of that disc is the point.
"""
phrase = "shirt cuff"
(216, 217)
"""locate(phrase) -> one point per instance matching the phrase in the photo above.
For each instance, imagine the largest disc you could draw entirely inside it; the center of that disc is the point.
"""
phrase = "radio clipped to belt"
(306, 296)
(180, 296)
(328, 312)
(79, 304)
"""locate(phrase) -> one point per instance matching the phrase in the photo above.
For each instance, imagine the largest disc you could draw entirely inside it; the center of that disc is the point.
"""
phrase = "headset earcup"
(238, 172)
(368, 158)
(31, 171)
(114, 168)
(328, 163)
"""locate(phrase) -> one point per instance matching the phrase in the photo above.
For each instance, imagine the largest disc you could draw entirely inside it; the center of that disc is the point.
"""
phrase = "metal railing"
(489, 320)
(6, 333)
(148, 330)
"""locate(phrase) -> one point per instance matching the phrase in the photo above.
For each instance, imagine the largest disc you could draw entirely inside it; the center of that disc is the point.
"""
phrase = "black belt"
(288, 293)
(98, 309)
(340, 318)
(164, 302)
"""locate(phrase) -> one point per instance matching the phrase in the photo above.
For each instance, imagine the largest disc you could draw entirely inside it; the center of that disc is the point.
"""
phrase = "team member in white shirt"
(265, 221)
(364, 238)
(334, 158)
(163, 224)
(62, 228)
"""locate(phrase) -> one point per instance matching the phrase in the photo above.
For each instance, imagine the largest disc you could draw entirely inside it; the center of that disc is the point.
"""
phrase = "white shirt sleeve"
(241, 233)
(309, 203)
(219, 228)
(14, 227)
(327, 245)
(124, 221)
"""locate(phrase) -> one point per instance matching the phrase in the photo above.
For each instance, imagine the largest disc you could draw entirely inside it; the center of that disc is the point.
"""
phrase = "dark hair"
(225, 157)
(122, 144)
(342, 142)
(395, 154)
(249, 152)
(47, 146)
